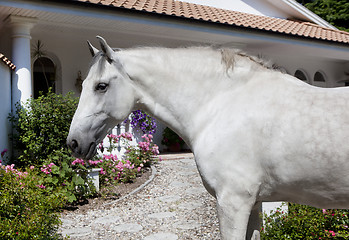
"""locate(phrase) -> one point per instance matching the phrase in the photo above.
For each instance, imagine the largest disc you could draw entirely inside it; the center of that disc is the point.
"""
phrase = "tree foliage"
(305, 1)
(336, 12)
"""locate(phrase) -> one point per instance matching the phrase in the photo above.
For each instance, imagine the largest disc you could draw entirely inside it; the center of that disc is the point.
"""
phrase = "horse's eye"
(101, 87)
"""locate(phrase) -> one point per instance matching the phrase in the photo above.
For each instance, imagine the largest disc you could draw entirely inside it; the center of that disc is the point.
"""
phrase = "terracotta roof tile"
(233, 18)
(7, 61)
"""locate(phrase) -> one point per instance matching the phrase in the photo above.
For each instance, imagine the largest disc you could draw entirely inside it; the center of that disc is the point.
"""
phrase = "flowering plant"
(27, 209)
(67, 176)
(305, 222)
(3, 154)
(169, 138)
(135, 159)
(125, 169)
(140, 120)
(143, 154)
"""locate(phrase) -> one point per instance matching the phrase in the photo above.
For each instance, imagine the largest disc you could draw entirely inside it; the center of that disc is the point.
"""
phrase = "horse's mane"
(229, 56)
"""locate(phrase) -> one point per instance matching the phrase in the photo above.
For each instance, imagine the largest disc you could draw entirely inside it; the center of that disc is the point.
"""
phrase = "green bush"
(27, 210)
(305, 222)
(62, 174)
(42, 126)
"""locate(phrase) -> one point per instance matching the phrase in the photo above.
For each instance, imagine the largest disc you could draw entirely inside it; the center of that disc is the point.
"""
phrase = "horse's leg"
(254, 222)
(234, 211)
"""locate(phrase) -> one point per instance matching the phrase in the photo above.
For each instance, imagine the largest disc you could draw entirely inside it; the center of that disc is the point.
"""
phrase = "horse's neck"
(179, 90)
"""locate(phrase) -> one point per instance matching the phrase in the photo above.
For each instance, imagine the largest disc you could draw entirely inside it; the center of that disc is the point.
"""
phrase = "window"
(319, 77)
(301, 75)
(44, 74)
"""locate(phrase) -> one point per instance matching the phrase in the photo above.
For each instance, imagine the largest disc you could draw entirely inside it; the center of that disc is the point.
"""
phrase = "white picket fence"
(121, 145)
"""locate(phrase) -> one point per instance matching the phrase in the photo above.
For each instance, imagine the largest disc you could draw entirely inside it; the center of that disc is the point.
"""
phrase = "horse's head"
(107, 98)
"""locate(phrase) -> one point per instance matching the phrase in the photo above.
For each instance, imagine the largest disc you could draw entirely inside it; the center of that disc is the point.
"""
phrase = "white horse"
(257, 134)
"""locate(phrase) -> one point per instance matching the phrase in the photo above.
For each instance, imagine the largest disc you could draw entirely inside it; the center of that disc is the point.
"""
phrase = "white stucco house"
(295, 39)
(283, 31)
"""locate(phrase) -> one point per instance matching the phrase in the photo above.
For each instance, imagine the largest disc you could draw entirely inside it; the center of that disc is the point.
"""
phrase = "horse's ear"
(108, 51)
(93, 50)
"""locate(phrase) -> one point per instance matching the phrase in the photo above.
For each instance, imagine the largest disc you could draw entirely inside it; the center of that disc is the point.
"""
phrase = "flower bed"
(31, 198)
(305, 222)
(125, 169)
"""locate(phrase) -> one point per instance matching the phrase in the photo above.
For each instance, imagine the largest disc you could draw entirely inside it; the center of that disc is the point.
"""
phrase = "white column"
(22, 82)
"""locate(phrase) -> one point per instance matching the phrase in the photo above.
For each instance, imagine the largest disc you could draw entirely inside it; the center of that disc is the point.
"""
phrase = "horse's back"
(307, 156)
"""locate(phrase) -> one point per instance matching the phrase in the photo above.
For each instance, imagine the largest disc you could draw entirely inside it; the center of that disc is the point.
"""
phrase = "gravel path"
(174, 205)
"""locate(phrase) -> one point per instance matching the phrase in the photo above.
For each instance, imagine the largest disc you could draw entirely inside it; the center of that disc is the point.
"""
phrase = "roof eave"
(305, 13)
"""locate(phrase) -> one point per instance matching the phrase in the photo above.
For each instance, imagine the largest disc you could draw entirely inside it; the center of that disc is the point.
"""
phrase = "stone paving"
(173, 206)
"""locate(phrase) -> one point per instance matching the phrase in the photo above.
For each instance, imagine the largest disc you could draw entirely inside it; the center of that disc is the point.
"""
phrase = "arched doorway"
(44, 74)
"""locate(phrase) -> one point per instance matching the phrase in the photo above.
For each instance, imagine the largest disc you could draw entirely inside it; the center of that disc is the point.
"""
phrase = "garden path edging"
(151, 178)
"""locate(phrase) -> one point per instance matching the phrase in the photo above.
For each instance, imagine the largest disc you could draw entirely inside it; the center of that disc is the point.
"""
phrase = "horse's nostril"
(74, 144)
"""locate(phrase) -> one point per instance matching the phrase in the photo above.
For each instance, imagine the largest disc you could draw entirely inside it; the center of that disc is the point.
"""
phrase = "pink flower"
(155, 150)
(95, 163)
(3, 152)
(10, 168)
(144, 146)
(324, 211)
(100, 146)
(114, 138)
(41, 186)
(111, 157)
(32, 167)
(47, 169)
(120, 166)
(128, 136)
(78, 161)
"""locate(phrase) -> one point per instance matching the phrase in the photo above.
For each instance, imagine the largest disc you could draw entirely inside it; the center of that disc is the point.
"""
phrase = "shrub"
(27, 209)
(126, 169)
(62, 174)
(305, 222)
(144, 153)
(42, 126)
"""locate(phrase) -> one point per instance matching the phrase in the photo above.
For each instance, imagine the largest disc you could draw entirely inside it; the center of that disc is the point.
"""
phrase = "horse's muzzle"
(80, 151)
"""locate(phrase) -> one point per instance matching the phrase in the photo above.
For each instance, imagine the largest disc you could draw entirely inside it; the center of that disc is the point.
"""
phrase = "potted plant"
(170, 139)
(141, 121)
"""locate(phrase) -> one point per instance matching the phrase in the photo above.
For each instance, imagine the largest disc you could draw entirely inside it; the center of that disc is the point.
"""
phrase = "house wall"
(5, 106)
(332, 70)
(71, 54)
